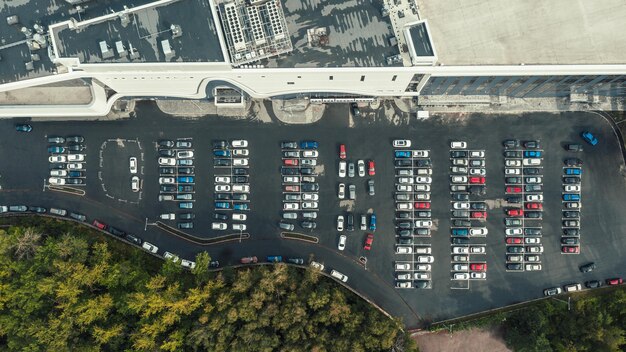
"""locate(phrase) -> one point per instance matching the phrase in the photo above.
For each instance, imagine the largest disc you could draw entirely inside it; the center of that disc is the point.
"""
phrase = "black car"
(423, 214)
(185, 225)
(514, 200)
(512, 154)
(405, 233)
(404, 162)
(240, 179)
(75, 173)
(167, 170)
(515, 249)
(532, 171)
(307, 171)
(240, 196)
(166, 143)
(222, 196)
(220, 144)
(458, 154)
(216, 216)
(532, 232)
(514, 266)
(350, 222)
(289, 171)
(422, 163)
(75, 147)
(298, 261)
(58, 166)
(533, 188)
(571, 232)
(289, 145)
(222, 162)
(214, 264)
(533, 214)
(78, 216)
(512, 222)
(571, 214)
(477, 190)
(569, 240)
(75, 139)
(185, 170)
(513, 180)
(532, 144)
(133, 239)
(167, 152)
(511, 143)
(573, 162)
(587, 268)
(168, 188)
(405, 241)
(460, 214)
(74, 181)
(462, 223)
(423, 284)
(478, 206)
(185, 188)
(571, 180)
(574, 147)
(593, 284)
(239, 171)
(308, 225)
(310, 187)
(460, 196)
(37, 209)
(422, 232)
(403, 215)
(460, 240)
(405, 225)
(117, 232)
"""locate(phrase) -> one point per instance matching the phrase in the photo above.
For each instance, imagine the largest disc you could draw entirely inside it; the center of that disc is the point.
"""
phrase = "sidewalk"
(297, 111)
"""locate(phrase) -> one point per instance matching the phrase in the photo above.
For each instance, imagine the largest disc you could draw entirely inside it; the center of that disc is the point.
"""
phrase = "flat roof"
(358, 35)
(511, 32)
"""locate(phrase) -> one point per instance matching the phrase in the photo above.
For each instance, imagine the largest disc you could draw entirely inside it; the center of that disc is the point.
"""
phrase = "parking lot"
(397, 204)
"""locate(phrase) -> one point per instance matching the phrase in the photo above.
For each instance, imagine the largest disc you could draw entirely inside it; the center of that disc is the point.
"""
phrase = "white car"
(239, 227)
(458, 145)
(460, 267)
(310, 154)
(134, 183)
(422, 196)
(513, 163)
(512, 171)
(478, 172)
(404, 250)
(342, 168)
(534, 197)
(239, 143)
(403, 188)
(404, 284)
(401, 143)
(171, 256)
(533, 267)
(479, 231)
(316, 265)
(514, 231)
(533, 180)
(342, 191)
(460, 276)
(422, 267)
(308, 162)
(240, 152)
(460, 250)
(534, 249)
(221, 226)
(423, 250)
(75, 166)
(168, 216)
(404, 206)
(339, 276)
(310, 196)
(458, 169)
(361, 168)
(425, 259)
(58, 173)
(405, 180)
(342, 242)
(57, 159)
(477, 154)
(423, 179)
(188, 263)
(424, 171)
(240, 162)
(403, 266)
(421, 276)
(291, 206)
(291, 179)
(422, 188)
(458, 179)
(184, 154)
(239, 217)
(167, 161)
(56, 181)
(405, 276)
(477, 249)
(76, 157)
(222, 188)
(421, 153)
(531, 162)
(571, 188)
(532, 258)
(150, 247)
(423, 223)
(222, 179)
(514, 258)
(166, 180)
(532, 240)
(461, 205)
(309, 205)
(476, 275)
(459, 162)
(132, 165)
(241, 188)
(340, 222)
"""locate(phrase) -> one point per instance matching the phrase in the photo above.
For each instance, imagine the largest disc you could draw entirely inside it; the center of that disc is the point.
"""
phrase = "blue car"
(573, 197)
(184, 179)
(241, 206)
(308, 145)
(23, 128)
(185, 205)
(573, 171)
(403, 154)
(589, 138)
(373, 222)
(532, 154)
(222, 205)
(274, 258)
(56, 150)
(460, 232)
(221, 152)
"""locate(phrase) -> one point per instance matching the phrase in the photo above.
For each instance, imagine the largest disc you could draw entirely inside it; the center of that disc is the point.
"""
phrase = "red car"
(342, 151)
(615, 281)
(292, 188)
(371, 169)
(534, 206)
(422, 205)
(478, 267)
(100, 225)
(477, 180)
(515, 212)
(479, 214)
(291, 162)
(570, 249)
(368, 242)
(511, 189)
(514, 240)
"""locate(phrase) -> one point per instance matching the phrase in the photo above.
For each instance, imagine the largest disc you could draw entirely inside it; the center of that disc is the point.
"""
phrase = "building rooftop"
(511, 32)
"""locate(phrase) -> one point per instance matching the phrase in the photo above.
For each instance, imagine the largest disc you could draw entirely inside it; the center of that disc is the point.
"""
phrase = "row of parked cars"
(67, 160)
(571, 200)
(177, 179)
(231, 184)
